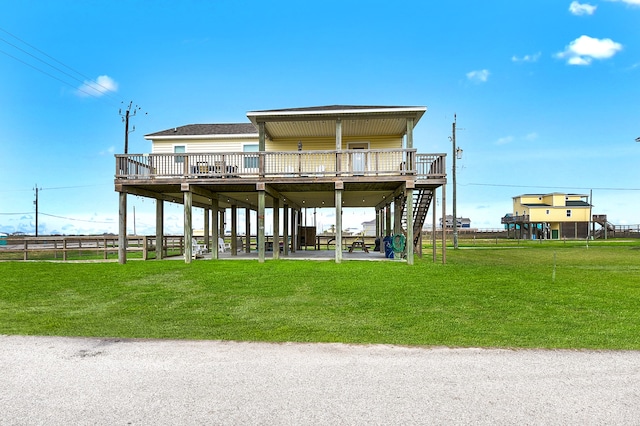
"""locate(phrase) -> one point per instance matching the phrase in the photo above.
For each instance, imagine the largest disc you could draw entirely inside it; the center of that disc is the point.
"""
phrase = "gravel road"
(82, 381)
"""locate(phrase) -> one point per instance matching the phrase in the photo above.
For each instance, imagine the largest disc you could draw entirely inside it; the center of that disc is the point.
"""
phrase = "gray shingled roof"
(577, 204)
(208, 129)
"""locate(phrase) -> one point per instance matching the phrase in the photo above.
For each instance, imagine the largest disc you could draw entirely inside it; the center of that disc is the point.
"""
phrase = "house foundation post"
(234, 230)
(122, 228)
(188, 224)
(434, 238)
(294, 229)
(215, 249)
(409, 241)
(338, 194)
(444, 223)
(206, 231)
(159, 229)
(261, 208)
(285, 230)
(276, 228)
(397, 215)
(247, 230)
(222, 222)
(387, 220)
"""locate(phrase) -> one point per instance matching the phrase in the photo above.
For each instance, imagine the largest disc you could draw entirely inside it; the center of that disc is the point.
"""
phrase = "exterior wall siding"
(235, 145)
(559, 214)
(329, 143)
(201, 145)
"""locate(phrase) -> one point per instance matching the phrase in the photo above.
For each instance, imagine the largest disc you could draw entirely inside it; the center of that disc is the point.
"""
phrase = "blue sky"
(546, 92)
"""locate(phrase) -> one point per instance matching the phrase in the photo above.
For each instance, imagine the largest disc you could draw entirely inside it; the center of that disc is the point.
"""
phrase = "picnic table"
(359, 244)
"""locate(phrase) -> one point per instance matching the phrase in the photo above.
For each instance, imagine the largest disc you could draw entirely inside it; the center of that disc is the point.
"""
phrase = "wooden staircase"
(421, 202)
(605, 225)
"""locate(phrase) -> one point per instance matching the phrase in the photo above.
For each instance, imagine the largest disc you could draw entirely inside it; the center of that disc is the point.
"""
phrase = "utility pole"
(36, 203)
(125, 119)
(457, 154)
(455, 213)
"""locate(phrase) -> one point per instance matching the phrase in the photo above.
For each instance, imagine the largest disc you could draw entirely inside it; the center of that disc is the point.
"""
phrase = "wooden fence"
(83, 247)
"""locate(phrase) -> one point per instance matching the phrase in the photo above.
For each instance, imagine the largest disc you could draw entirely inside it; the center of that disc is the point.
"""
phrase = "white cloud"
(479, 76)
(577, 8)
(529, 137)
(584, 49)
(109, 151)
(526, 58)
(100, 87)
(505, 140)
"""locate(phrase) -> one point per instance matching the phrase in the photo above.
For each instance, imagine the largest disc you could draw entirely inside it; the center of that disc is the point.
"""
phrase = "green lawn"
(487, 295)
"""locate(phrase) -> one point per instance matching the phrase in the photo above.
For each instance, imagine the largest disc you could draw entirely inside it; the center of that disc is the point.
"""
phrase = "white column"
(188, 226)
(215, 250)
(260, 238)
(276, 228)
(338, 195)
(159, 228)
(122, 228)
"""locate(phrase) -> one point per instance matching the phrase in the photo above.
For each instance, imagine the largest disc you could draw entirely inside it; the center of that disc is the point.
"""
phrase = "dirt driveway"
(55, 381)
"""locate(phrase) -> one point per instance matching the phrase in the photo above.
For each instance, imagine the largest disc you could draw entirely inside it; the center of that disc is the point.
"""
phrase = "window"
(179, 149)
(568, 213)
(250, 161)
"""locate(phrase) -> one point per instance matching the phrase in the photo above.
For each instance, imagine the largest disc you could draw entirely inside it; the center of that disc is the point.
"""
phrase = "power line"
(58, 217)
(75, 187)
(46, 73)
(56, 188)
(552, 187)
(76, 220)
(102, 90)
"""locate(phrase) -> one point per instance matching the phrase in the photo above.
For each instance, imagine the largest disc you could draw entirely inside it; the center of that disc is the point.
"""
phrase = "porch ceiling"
(321, 121)
(327, 128)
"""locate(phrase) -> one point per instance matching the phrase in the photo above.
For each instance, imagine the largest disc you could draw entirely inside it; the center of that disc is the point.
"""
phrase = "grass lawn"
(487, 295)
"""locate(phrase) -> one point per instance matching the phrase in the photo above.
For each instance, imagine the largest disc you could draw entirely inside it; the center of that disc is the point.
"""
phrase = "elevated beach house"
(550, 216)
(286, 160)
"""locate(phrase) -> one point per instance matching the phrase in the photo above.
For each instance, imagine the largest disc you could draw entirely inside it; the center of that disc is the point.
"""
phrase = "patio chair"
(222, 246)
(197, 249)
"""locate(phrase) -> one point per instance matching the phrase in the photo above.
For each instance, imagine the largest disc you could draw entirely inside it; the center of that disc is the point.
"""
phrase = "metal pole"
(36, 203)
(455, 213)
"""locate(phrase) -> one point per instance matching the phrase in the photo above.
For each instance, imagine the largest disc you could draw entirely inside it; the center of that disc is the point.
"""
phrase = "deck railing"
(84, 247)
(507, 220)
(383, 162)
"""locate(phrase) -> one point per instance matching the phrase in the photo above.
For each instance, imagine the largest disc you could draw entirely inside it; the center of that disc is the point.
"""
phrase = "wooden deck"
(286, 182)
(297, 164)
(304, 178)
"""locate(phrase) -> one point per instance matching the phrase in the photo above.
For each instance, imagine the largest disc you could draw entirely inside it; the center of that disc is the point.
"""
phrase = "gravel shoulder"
(57, 380)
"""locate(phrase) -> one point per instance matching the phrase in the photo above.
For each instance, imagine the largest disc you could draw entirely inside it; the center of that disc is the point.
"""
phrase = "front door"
(358, 159)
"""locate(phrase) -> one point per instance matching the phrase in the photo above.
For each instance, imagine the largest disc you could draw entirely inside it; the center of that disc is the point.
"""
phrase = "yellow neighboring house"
(549, 216)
